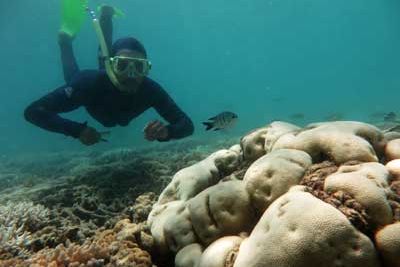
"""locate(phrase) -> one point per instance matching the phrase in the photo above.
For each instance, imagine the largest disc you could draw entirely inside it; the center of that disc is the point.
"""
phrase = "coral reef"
(74, 196)
(286, 196)
(17, 223)
(109, 248)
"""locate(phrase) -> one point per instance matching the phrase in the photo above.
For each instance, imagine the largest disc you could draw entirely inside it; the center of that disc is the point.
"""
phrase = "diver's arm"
(180, 125)
(44, 112)
(69, 64)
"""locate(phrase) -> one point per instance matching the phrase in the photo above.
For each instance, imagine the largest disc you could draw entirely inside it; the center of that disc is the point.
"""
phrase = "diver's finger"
(154, 127)
(148, 125)
(159, 128)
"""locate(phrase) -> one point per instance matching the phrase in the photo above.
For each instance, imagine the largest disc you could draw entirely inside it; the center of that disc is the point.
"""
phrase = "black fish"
(223, 120)
(391, 116)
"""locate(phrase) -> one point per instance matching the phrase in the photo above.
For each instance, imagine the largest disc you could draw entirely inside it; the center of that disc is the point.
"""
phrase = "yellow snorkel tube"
(104, 50)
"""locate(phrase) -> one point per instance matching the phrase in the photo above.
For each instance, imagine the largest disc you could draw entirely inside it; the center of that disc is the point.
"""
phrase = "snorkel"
(105, 55)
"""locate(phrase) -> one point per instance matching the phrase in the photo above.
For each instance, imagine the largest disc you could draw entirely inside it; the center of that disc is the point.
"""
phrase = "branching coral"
(17, 223)
(108, 248)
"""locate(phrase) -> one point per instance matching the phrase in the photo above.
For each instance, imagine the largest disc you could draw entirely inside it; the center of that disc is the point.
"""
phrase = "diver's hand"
(64, 38)
(89, 136)
(155, 130)
(106, 11)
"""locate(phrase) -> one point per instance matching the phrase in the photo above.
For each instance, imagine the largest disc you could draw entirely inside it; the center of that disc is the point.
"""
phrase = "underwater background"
(299, 61)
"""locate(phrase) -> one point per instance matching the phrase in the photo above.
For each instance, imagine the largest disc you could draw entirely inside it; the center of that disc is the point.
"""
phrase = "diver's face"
(124, 78)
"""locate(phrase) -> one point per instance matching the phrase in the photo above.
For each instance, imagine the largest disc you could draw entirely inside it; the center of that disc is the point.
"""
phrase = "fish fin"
(217, 129)
(208, 125)
(212, 118)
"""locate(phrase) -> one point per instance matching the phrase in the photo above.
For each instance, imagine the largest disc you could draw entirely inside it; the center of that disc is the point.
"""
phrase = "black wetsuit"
(93, 90)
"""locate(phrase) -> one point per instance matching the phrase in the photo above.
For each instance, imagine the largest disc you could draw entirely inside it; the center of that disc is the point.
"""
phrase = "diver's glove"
(90, 136)
(156, 130)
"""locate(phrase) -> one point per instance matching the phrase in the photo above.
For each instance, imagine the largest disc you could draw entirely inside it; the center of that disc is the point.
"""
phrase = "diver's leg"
(107, 12)
(69, 64)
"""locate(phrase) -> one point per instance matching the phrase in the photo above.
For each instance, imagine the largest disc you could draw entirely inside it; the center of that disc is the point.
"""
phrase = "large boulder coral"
(299, 230)
(178, 229)
(221, 253)
(253, 144)
(388, 244)
(367, 183)
(313, 196)
(277, 129)
(272, 175)
(189, 256)
(223, 209)
(392, 150)
(190, 181)
(157, 223)
(336, 141)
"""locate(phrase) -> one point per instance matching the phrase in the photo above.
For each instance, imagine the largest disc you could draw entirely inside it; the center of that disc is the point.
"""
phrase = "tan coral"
(190, 181)
(367, 183)
(178, 230)
(393, 167)
(189, 256)
(253, 144)
(272, 175)
(223, 209)
(392, 150)
(277, 129)
(299, 230)
(388, 244)
(221, 253)
(157, 220)
(336, 141)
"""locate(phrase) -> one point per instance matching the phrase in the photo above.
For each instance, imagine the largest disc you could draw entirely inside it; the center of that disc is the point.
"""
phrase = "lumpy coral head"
(337, 142)
(223, 209)
(388, 244)
(272, 175)
(299, 230)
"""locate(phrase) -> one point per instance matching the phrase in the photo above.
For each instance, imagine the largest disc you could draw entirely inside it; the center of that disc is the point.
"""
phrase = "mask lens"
(122, 64)
(139, 66)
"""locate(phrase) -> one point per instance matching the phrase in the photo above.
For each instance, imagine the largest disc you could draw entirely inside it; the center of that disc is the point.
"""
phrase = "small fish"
(297, 116)
(391, 116)
(334, 117)
(221, 121)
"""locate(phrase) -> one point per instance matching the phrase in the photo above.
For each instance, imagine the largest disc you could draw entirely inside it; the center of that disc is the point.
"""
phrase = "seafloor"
(92, 208)
(58, 203)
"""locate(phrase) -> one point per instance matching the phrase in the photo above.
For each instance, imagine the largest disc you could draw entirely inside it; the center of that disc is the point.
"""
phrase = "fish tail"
(208, 125)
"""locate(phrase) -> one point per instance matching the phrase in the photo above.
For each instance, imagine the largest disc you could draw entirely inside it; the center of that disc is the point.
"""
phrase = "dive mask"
(130, 66)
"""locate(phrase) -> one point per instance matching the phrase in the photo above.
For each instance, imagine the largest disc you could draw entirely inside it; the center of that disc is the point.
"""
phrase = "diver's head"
(129, 60)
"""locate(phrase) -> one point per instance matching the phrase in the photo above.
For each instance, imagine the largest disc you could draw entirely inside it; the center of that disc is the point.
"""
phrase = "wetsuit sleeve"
(180, 125)
(69, 64)
(44, 112)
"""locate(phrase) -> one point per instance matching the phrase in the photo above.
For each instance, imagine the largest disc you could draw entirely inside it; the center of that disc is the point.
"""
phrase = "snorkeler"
(113, 95)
